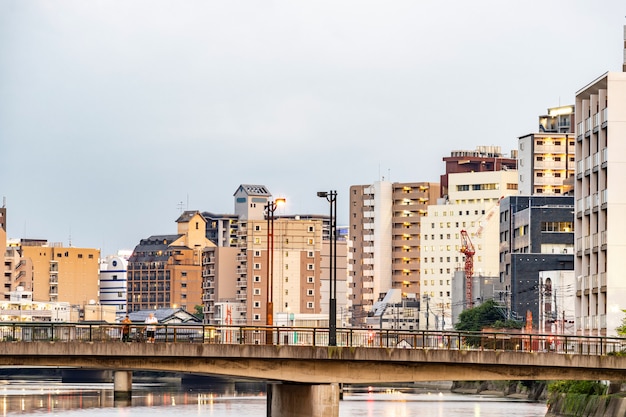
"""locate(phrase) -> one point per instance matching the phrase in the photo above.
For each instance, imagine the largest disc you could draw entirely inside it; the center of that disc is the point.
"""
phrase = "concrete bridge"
(303, 373)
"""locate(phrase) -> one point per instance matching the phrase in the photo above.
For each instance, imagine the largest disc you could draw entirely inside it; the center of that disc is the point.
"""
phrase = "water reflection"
(24, 396)
(36, 397)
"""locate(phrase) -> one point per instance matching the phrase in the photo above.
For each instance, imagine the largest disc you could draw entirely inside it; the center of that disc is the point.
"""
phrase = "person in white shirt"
(151, 328)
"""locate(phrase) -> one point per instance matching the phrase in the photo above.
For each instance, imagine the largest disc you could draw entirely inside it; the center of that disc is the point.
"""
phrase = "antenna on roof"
(181, 205)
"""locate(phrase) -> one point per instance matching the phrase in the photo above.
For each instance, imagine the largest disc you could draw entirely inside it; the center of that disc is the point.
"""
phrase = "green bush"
(577, 387)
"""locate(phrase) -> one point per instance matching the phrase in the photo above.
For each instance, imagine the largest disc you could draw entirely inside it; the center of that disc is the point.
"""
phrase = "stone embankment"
(580, 405)
(531, 390)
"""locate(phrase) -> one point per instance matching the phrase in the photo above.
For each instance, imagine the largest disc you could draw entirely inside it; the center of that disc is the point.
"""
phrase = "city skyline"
(114, 117)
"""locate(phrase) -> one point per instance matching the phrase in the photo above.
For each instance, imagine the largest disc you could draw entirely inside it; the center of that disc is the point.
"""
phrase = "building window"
(309, 254)
(257, 317)
(257, 240)
(309, 292)
(257, 291)
(257, 253)
(257, 304)
(310, 241)
(309, 305)
(257, 228)
(311, 228)
(309, 267)
(309, 280)
(257, 266)
(257, 278)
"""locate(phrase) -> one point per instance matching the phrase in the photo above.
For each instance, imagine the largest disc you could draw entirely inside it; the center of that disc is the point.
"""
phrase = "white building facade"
(472, 206)
(600, 202)
(113, 282)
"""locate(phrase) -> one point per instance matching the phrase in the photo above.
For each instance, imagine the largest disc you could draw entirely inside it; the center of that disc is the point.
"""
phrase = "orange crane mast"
(467, 248)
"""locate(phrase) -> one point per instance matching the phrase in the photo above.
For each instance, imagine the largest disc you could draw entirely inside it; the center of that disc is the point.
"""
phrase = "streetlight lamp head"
(322, 194)
(280, 201)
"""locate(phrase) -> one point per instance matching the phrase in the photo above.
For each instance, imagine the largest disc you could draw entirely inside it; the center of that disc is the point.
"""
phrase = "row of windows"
(564, 227)
(554, 190)
(309, 241)
(309, 254)
(309, 267)
(257, 228)
(432, 259)
(552, 158)
(448, 225)
(446, 248)
(432, 282)
(257, 278)
(67, 254)
(478, 187)
(460, 213)
(257, 317)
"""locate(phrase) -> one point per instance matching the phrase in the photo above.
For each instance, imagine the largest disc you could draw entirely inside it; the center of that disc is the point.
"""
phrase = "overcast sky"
(113, 113)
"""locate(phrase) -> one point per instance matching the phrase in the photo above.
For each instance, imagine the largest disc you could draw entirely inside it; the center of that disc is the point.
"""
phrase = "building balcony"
(549, 164)
(552, 181)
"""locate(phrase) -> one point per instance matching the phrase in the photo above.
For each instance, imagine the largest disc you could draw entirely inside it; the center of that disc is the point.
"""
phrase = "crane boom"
(467, 248)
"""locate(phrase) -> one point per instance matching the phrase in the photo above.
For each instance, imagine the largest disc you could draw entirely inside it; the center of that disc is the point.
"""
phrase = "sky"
(116, 115)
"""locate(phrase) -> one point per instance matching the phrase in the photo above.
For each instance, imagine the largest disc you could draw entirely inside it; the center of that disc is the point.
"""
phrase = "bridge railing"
(309, 336)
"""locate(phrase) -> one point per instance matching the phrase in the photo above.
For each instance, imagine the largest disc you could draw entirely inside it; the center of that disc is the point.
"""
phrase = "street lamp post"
(270, 208)
(331, 197)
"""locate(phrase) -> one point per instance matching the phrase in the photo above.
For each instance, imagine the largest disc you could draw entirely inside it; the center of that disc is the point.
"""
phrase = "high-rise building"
(483, 159)
(536, 235)
(384, 236)
(600, 195)
(165, 271)
(471, 207)
(239, 277)
(546, 159)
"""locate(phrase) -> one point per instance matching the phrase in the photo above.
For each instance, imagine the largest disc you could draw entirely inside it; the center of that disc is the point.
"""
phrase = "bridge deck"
(302, 356)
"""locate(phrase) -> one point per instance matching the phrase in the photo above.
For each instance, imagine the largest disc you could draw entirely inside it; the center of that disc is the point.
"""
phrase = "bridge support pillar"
(302, 400)
(122, 385)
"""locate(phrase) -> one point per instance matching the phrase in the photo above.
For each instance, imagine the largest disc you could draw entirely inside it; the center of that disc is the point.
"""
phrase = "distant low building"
(165, 316)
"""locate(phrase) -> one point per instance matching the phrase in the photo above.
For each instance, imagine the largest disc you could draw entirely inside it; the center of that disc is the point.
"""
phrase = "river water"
(53, 398)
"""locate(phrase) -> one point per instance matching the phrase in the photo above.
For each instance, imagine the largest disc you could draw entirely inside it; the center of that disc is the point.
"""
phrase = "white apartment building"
(600, 202)
(472, 205)
(547, 159)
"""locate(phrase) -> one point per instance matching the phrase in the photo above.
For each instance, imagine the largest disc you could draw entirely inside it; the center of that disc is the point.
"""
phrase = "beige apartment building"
(165, 271)
(384, 234)
(59, 273)
(240, 277)
(546, 160)
(600, 204)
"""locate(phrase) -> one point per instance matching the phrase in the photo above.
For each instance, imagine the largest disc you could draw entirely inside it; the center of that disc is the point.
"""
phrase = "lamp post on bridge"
(331, 197)
(270, 208)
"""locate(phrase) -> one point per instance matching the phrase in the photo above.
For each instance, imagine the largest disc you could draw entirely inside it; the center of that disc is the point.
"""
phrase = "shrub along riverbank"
(585, 399)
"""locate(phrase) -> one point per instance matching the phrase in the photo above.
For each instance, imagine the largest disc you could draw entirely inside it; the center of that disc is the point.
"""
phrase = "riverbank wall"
(527, 390)
(581, 405)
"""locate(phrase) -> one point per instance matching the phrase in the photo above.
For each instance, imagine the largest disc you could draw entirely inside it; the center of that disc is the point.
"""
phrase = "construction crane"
(467, 248)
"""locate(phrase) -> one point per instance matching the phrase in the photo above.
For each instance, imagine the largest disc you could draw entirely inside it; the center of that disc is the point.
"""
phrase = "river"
(53, 398)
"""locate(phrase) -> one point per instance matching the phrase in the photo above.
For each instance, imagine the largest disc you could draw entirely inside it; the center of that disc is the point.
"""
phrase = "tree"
(621, 330)
(475, 319)
(199, 312)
